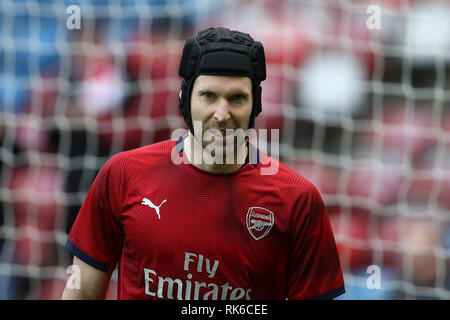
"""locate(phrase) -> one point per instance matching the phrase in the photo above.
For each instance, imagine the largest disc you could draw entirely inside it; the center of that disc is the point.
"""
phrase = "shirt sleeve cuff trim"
(86, 258)
(331, 295)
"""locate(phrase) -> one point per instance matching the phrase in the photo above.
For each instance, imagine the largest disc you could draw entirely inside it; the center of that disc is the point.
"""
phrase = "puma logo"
(147, 202)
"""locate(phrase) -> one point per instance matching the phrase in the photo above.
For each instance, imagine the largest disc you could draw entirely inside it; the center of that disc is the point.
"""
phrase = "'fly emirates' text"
(187, 289)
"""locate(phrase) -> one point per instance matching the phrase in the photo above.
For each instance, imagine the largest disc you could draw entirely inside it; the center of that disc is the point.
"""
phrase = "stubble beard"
(229, 147)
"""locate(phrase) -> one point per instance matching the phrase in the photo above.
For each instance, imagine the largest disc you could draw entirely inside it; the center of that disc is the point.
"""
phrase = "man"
(210, 226)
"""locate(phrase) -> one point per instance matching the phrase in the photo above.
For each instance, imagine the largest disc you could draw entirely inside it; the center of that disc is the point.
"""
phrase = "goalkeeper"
(201, 228)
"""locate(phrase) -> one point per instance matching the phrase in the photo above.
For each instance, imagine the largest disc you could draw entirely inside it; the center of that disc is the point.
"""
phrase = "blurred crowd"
(363, 113)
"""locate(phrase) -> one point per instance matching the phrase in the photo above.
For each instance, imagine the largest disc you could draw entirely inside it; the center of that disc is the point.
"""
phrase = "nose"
(222, 113)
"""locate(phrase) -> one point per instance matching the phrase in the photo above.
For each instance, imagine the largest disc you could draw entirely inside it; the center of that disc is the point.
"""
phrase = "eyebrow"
(231, 93)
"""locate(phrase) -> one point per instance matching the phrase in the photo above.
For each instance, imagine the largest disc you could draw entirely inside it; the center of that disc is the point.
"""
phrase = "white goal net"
(359, 90)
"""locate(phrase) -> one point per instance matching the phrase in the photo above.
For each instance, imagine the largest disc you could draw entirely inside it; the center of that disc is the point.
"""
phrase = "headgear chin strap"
(223, 52)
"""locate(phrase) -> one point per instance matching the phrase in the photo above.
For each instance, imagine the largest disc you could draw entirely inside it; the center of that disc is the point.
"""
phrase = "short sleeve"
(96, 236)
(314, 270)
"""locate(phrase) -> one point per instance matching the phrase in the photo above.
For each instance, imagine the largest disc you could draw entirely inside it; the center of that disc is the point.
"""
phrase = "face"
(220, 103)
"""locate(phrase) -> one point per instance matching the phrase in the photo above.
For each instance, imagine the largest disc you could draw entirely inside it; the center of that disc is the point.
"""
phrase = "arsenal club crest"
(259, 222)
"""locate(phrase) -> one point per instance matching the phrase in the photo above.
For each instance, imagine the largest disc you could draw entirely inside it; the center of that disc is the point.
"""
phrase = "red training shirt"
(179, 232)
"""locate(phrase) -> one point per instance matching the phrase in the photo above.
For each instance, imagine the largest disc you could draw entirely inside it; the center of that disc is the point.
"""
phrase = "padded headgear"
(221, 51)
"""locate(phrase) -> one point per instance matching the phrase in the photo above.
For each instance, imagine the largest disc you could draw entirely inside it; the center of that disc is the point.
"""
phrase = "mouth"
(221, 132)
(221, 135)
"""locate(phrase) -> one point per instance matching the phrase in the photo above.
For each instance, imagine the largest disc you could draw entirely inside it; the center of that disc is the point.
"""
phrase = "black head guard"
(220, 51)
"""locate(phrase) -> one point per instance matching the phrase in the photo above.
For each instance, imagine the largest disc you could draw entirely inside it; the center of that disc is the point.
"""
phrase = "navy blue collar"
(253, 153)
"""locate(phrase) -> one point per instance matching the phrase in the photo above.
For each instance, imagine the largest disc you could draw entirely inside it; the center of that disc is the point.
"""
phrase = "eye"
(238, 98)
(208, 95)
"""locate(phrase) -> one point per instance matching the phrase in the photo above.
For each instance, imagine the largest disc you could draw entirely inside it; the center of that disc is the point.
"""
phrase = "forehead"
(223, 83)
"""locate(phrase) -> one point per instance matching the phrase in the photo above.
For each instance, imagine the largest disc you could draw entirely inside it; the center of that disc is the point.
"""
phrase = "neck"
(194, 152)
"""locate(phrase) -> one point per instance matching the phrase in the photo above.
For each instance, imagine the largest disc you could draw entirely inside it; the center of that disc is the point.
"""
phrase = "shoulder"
(145, 155)
(127, 165)
(284, 177)
(297, 192)
(120, 172)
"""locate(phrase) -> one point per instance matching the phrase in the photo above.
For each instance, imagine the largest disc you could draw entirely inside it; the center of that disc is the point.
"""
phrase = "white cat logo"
(147, 202)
